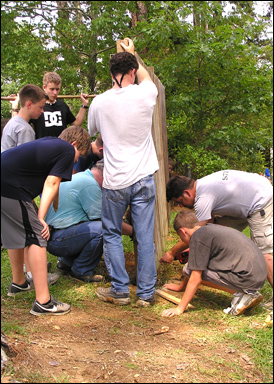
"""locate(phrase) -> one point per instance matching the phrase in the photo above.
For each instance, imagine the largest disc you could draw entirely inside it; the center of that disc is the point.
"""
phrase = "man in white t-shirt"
(123, 116)
(233, 198)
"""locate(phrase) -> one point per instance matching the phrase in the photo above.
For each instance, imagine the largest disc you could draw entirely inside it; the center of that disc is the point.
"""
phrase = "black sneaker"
(54, 308)
(106, 294)
(15, 289)
(92, 278)
(63, 268)
(146, 303)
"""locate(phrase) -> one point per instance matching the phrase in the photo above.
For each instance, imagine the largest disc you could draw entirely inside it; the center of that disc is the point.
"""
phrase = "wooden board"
(170, 297)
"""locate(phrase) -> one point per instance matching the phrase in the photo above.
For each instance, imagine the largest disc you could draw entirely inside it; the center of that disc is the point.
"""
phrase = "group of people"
(84, 199)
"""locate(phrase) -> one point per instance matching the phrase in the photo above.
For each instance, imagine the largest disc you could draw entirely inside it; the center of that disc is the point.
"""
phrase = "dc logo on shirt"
(53, 118)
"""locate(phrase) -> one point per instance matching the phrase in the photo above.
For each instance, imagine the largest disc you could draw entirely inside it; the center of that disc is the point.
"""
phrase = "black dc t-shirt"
(54, 120)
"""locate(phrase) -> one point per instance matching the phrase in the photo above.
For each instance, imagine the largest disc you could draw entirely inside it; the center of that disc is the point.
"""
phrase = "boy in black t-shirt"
(57, 114)
(222, 258)
(27, 171)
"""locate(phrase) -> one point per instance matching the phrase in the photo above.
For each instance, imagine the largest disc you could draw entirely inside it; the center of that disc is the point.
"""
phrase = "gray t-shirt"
(16, 132)
(230, 253)
(231, 193)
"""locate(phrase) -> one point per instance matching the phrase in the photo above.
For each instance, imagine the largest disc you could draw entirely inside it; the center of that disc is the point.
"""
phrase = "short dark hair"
(177, 185)
(122, 63)
(99, 141)
(185, 218)
(31, 92)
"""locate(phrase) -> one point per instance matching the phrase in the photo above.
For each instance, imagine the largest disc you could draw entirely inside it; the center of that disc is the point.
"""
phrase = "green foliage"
(216, 66)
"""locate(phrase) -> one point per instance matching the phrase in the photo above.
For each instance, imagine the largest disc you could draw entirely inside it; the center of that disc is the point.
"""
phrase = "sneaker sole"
(112, 300)
(49, 313)
(256, 301)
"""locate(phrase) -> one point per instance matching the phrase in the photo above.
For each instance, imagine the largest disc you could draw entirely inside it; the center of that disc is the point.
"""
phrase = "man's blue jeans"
(141, 198)
(79, 246)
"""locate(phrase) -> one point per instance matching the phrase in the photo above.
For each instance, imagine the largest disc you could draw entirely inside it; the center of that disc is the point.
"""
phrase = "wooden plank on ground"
(170, 297)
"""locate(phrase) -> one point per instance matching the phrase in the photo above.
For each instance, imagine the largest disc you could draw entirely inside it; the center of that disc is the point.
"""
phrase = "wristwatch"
(84, 106)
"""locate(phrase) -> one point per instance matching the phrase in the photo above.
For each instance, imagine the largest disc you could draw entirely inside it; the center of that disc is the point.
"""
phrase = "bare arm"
(82, 112)
(177, 287)
(50, 191)
(191, 288)
(14, 105)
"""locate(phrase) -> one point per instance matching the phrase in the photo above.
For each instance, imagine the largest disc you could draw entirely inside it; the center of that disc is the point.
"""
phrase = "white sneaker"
(236, 298)
(250, 300)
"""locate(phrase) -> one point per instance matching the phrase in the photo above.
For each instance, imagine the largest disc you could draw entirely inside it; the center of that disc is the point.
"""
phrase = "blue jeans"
(141, 198)
(79, 246)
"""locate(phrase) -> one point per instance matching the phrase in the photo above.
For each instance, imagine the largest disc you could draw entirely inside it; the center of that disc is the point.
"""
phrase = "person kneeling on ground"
(222, 258)
(76, 227)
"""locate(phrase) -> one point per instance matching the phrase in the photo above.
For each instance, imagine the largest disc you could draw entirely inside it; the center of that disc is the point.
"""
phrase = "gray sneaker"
(54, 308)
(146, 303)
(106, 294)
(52, 278)
(246, 301)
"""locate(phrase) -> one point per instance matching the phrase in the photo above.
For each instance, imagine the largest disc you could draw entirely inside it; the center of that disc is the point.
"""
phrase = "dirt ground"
(110, 344)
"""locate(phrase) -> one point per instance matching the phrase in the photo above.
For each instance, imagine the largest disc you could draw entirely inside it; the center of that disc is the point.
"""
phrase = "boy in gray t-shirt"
(221, 258)
(18, 130)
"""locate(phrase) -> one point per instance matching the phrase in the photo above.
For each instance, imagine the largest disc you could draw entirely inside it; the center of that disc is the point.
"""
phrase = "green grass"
(245, 333)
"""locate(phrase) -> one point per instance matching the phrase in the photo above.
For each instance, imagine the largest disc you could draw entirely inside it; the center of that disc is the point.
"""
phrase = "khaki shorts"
(261, 226)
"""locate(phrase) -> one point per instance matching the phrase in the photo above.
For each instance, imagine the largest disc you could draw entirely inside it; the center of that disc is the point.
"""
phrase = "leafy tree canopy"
(213, 57)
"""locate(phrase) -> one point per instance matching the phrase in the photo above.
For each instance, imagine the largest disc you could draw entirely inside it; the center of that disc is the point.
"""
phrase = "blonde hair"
(51, 77)
(79, 134)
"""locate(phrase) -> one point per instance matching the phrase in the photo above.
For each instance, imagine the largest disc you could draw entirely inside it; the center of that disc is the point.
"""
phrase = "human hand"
(45, 231)
(84, 98)
(14, 103)
(128, 48)
(172, 312)
(173, 287)
(167, 257)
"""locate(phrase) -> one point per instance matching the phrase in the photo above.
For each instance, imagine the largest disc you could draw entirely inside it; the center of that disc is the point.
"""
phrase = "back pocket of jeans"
(115, 195)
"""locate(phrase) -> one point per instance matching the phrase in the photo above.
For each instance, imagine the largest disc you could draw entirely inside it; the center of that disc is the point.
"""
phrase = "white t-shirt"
(231, 193)
(124, 118)
(17, 131)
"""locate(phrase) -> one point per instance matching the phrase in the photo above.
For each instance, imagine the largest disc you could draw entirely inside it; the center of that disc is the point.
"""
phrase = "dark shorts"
(20, 226)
